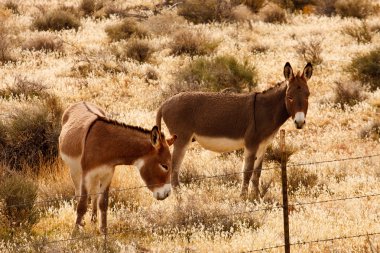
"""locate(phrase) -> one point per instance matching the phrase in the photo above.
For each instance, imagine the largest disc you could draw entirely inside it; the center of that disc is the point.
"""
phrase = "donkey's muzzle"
(299, 120)
(162, 192)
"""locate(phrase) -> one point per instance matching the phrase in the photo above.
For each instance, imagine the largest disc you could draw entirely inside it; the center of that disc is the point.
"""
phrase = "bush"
(360, 32)
(371, 131)
(353, 8)
(191, 43)
(166, 22)
(273, 14)
(23, 88)
(217, 74)
(139, 50)
(47, 43)
(348, 94)
(311, 51)
(10, 5)
(325, 7)
(18, 189)
(301, 177)
(294, 4)
(30, 136)
(366, 68)
(253, 5)
(200, 11)
(126, 29)
(241, 13)
(273, 152)
(56, 20)
(5, 45)
(88, 7)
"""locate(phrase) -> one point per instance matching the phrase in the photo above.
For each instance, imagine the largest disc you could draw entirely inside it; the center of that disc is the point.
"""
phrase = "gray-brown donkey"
(224, 122)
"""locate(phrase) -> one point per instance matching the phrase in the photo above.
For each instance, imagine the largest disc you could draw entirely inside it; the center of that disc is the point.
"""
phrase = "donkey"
(224, 122)
(92, 145)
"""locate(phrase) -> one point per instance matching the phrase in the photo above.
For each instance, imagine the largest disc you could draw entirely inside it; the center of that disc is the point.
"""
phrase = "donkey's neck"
(271, 109)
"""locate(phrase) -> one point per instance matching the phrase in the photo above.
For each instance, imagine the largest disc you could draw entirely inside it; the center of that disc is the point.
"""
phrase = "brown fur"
(254, 117)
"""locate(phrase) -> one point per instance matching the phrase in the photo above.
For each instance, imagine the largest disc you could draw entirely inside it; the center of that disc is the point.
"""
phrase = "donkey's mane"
(121, 124)
(275, 87)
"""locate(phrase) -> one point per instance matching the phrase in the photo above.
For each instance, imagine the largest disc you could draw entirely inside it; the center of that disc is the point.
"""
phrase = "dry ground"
(200, 218)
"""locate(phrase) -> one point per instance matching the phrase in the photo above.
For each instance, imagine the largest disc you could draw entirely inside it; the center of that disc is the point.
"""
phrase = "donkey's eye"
(164, 166)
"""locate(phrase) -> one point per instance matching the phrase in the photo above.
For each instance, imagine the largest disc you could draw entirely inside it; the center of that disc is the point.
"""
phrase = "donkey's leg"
(180, 147)
(94, 195)
(249, 160)
(105, 183)
(82, 205)
(256, 178)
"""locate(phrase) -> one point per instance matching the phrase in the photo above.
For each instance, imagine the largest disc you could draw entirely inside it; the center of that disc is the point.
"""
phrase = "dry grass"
(311, 50)
(199, 11)
(139, 50)
(272, 13)
(5, 45)
(253, 5)
(361, 32)
(205, 215)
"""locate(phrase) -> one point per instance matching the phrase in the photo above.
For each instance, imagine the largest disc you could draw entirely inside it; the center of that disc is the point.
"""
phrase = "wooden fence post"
(284, 179)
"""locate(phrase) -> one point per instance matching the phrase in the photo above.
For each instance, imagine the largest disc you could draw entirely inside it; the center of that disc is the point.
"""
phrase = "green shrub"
(354, 8)
(217, 74)
(201, 11)
(56, 20)
(18, 194)
(348, 94)
(125, 29)
(366, 68)
(30, 135)
(191, 43)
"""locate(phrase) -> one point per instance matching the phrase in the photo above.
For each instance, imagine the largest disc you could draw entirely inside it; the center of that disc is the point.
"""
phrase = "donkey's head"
(297, 93)
(155, 168)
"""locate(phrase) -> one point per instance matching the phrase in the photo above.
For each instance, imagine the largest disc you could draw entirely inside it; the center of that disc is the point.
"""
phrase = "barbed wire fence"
(287, 243)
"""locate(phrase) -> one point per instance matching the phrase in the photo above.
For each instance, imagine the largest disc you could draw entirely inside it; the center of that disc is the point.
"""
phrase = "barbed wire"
(121, 231)
(345, 237)
(199, 178)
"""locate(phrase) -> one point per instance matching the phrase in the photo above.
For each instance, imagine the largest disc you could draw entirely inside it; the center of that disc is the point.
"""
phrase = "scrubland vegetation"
(128, 57)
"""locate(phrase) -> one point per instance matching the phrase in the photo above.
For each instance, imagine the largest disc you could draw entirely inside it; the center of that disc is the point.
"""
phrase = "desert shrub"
(11, 5)
(18, 194)
(191, 43)
(216, 74)
(125, 29)
(372, 131)
(273, 152)
(200, 11)
(241, 13)
(311, 51)
(166, 22)
(272, 13)
(88, 7)
(366, 68)
(253, 5)
(325, 7)
(56, 20)
(299, 177)
(44, 42)
(30, 135)
(23, 88)
(348, 94)
(5, 45)
(139, 50)
(353, 8)
(361, 32)
(294, 5)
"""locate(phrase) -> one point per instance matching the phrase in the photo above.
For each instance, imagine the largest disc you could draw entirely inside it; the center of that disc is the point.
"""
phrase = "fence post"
(284, 179)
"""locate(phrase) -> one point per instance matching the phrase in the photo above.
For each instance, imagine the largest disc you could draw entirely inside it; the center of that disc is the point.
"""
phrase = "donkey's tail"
(158, 118)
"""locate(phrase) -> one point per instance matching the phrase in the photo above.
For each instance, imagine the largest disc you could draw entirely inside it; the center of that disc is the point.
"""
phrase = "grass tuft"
(56, 20)
(301, 178)
(311, 51)
(348, 94)
(371, 131)
(361, 32)
(354, 8)
(200, 11)
(44, 42)
(125, 29)
(139, 50)
(191, 43)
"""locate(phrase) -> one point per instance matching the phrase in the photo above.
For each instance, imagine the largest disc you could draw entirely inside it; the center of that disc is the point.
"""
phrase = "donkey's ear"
(171, 140)
(308, 71)
(288, 71)
(155, 137)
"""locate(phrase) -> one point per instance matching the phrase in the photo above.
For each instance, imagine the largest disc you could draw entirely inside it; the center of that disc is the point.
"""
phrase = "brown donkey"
(92, 145)
(224, 122)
